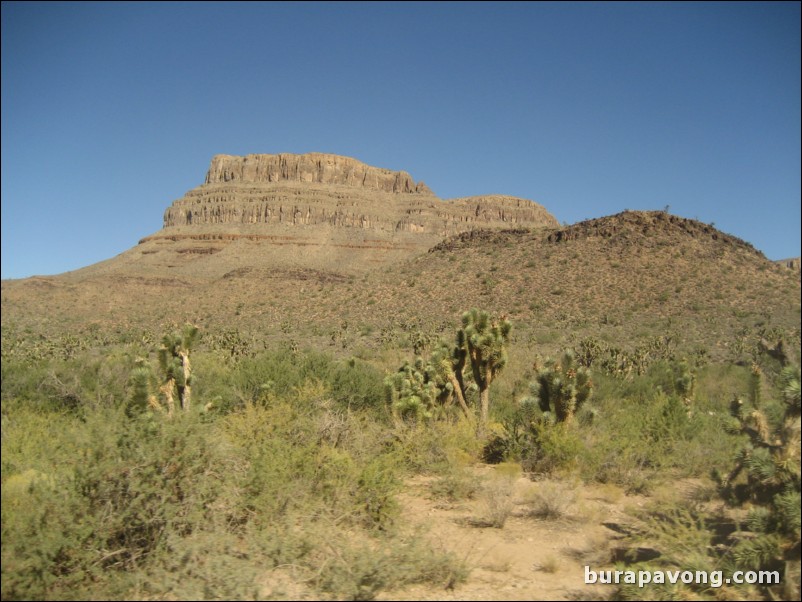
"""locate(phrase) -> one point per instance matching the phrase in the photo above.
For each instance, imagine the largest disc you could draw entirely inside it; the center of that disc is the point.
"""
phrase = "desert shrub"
(551, 448)
(684, 538)
(361, 570)
(113, 503)
(212, 383)
(147, 479)
(357, 384)
(494, 502)
(41, 440)
(43, 543)
(277, 373)
(205, 565)
(90, 379)
(352, 383)
(638, 432)
(455, 485)
(436, 447)
(306, 457)
(279, 458)
(550, 500)
(374, 497)
(20, 381)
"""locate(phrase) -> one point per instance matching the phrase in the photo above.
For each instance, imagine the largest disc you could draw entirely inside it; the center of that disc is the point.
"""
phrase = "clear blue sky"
(110, 111)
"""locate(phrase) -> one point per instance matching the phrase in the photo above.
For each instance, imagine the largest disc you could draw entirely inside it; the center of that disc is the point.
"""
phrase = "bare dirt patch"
(529, 558)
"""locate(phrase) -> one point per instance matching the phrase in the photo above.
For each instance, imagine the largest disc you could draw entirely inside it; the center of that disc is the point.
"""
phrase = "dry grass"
(550, 564)
(495, 503)
(550, 500)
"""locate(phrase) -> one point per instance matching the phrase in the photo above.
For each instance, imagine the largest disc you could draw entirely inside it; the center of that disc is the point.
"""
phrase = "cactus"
(590, 350)
(175, 367)
(482, 341)
(756, 386)
(410, 393)
(771, 461)
(176, 376)
(143, 384)
(685, 381)
(561, 387)
(445, 372)
(421, 388)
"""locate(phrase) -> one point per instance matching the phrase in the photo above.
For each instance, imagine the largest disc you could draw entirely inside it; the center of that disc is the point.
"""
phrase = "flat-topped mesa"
(316, 168)
(317, 211)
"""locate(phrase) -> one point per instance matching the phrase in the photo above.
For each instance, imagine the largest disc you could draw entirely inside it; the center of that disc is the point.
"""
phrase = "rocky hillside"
(793, 263)
(623, 279)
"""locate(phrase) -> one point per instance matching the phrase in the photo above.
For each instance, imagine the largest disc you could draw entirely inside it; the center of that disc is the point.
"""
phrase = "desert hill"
(622, 278)
(332, 278)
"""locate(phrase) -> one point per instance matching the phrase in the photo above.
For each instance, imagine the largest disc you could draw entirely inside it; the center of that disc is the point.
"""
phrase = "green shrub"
(356, 384)
(552, 448)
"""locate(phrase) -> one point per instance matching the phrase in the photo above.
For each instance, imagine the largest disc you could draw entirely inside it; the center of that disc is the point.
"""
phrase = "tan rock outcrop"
(293, 204)
(311, 168)
(321, 189)
(323, 212)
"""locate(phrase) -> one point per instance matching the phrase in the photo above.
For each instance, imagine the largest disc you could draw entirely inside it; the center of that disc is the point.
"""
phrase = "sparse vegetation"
(128, 494)
(282, 468)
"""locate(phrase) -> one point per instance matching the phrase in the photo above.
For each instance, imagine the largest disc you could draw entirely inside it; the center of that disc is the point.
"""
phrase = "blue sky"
(110, 111)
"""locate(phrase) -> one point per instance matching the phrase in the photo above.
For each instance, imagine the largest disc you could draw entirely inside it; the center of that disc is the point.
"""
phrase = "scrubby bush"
(102, 500)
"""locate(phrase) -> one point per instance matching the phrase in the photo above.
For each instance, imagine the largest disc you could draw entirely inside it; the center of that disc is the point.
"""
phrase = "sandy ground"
(530, 557)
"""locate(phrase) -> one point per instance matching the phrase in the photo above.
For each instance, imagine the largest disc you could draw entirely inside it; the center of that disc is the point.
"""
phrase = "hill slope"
(623, 279)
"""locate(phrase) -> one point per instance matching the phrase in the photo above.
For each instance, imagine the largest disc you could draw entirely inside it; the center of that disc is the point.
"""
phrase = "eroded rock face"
(320, 189)
(317, 211)
(291, 204)
(311, 168)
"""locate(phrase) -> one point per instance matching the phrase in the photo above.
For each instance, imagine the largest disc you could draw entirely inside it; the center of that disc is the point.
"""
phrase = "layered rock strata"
(312, 168)
(320, 189)
(318, 211)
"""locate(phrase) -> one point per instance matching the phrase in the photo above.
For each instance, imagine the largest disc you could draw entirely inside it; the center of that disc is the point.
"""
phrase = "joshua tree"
(446, 366)
(771, 461)
(562, 386)
(143, 383)
(410, 393)
(417, 389)
(176, 376)
(174, 364)
(422, 388)
(482, 341)
(771, 458)
(685, 381)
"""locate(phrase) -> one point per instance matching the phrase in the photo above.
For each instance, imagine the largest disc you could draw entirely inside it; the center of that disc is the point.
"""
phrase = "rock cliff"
(311, 168)
(321, 189)
(315, 211)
